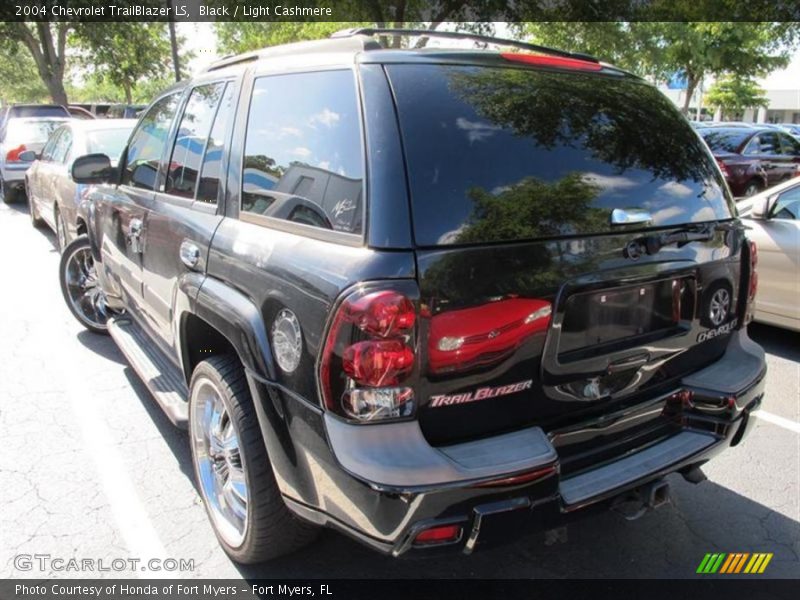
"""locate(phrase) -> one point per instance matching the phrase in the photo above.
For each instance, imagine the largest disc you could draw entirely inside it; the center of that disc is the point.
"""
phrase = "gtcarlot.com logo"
(735, 563)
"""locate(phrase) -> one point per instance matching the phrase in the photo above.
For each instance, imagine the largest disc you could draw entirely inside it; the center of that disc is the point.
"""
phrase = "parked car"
(16, 111)
(773, 217)
(297, 351)
(98, 109)
(753, 159)
(19, 135)
(77, 112)
(791, 128)
(124, 111)
(53, 197)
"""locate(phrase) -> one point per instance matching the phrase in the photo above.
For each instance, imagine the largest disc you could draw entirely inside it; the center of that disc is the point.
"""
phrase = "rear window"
(38, 111)
(725, 140)
(110, 142)
(504, 154)
(31, 131)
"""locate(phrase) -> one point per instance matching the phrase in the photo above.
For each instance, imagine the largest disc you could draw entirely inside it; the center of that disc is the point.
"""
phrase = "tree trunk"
(128, 95)
(691, 85)
(55, 86)
(173, 40)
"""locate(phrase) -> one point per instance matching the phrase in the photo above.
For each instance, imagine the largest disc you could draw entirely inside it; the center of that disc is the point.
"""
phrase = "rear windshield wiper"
(700, 232)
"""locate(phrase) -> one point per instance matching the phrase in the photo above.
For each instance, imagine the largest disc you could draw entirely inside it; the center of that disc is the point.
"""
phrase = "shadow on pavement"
(777, 341)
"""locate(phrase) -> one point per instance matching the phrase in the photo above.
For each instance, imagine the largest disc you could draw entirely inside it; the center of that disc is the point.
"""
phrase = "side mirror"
(761, 208)
(28, 156)
(92, 168)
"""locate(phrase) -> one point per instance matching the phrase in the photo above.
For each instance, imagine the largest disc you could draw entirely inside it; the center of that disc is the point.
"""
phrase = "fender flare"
(232, 314)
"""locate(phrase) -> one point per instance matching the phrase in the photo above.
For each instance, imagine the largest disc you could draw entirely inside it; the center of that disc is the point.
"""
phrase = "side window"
(190, 142)
(62, 146)
(790, 145)
(303, 156)
(50, 146)
(147, 144)
(769, 144)
(753, 146)
(208, 188)
(788, 205)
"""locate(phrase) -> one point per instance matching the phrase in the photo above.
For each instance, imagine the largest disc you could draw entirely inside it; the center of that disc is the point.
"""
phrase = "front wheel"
(248, 514)
(81, 286)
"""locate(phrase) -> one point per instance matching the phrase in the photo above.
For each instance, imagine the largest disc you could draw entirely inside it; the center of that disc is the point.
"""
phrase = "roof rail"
(351, 43)
(371, 31)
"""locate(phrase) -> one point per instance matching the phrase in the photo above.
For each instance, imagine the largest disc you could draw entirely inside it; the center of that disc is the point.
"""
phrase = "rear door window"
(303, 152)
(504, 154)
(208, 188)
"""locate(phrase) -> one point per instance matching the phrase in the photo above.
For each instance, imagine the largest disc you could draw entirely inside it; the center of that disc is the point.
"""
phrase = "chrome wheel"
(719, 306)
(219, 462)
(61, 232)
(83, 291)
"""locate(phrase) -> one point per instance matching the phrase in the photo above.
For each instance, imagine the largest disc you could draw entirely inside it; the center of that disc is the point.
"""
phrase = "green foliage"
(734, 94)
(235, 38)
(19, 81)
(124, 54)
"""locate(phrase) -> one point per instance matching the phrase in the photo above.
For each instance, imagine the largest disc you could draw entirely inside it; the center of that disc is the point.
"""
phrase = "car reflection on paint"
(484, 335)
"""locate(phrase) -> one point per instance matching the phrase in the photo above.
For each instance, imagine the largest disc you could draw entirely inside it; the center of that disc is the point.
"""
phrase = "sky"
(201, 39)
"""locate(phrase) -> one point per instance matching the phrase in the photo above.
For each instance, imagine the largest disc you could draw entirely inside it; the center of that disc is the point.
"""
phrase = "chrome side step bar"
(156, 371)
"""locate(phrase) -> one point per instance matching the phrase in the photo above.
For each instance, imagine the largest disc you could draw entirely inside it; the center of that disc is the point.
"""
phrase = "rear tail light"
(752, 281)
(724, 168)
(441, 534)
(559, 62)
(13, 154)
(369, 356)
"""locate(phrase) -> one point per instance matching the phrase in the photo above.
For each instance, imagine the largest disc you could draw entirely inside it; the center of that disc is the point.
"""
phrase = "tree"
(46, 43)
(19, 80)
(124, 53)
(734, 94)
(661, 49)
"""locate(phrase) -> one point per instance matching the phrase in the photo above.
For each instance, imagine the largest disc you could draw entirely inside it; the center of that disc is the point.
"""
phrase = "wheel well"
(201, 341)
(82, 230)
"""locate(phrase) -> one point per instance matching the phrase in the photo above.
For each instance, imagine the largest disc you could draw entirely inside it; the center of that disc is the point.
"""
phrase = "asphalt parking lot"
(90, 468)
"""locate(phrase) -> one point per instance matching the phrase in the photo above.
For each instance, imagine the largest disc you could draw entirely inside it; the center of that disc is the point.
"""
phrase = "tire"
(61, 231)
(9, 196)
(81, 289)
(751, 189)
(264, 528)
(36, 220)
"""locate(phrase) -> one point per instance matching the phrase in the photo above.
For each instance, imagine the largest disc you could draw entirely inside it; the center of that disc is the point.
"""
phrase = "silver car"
(53, 197)
(774, 220)
(19, 137)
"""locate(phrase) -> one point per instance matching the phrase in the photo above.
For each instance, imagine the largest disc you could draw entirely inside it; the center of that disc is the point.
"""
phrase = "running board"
(156, 371)
(597, 483)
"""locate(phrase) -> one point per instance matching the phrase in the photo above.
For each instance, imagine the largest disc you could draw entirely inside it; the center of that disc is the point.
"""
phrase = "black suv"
(426, 297)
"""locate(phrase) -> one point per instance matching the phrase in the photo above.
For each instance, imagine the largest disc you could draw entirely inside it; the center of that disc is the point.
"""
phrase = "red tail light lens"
(559, 62)
(369, 357)
(378, 363)
(13, 154)
(381, 314)
(724, 168)
(753, 272)
(439, 535)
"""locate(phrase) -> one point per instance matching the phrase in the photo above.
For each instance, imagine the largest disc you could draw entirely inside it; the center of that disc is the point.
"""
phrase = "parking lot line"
(779, 421)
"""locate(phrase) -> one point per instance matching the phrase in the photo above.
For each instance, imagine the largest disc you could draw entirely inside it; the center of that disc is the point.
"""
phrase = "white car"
(773, 217)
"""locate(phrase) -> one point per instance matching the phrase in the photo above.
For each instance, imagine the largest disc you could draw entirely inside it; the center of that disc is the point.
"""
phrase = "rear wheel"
(7, 194)
(233, 471)
(751, 189)
(81, 287)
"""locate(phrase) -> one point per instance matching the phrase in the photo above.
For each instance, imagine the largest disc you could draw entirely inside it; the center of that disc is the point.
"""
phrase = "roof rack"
(371, 31)
(347, 44)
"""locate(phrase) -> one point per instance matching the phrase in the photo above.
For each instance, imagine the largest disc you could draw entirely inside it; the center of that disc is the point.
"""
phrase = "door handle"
(135, 235)
(190, 254)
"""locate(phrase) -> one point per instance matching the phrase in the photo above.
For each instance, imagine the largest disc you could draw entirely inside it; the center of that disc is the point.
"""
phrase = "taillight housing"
(752, 280)
(368, 363)
(13, 154)
(724, 168)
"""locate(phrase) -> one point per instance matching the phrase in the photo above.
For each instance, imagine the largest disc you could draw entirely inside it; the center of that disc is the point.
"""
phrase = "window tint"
(38, 111)
(210, 173)
(498, 154)
(191, 140)
(790, 145)
(303, 149)
(725, 140)
(147, 144)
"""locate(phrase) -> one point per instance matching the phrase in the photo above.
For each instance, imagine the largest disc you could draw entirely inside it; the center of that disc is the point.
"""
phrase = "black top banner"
(399, 11)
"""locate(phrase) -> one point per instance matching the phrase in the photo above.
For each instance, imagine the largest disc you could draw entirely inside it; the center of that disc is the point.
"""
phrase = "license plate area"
(609, 320)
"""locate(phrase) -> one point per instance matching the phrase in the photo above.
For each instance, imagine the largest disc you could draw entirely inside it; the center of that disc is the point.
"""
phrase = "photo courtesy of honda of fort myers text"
(399, 298)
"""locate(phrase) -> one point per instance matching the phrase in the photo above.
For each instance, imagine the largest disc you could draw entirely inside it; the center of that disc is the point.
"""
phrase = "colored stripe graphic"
(734, 563)
(711, 563)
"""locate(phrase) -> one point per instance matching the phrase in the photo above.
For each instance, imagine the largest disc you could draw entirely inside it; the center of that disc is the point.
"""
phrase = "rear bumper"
(383, 484)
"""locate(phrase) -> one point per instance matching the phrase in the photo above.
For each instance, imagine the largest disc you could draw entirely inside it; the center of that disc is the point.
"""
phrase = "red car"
(483, 335)
(753, 159)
